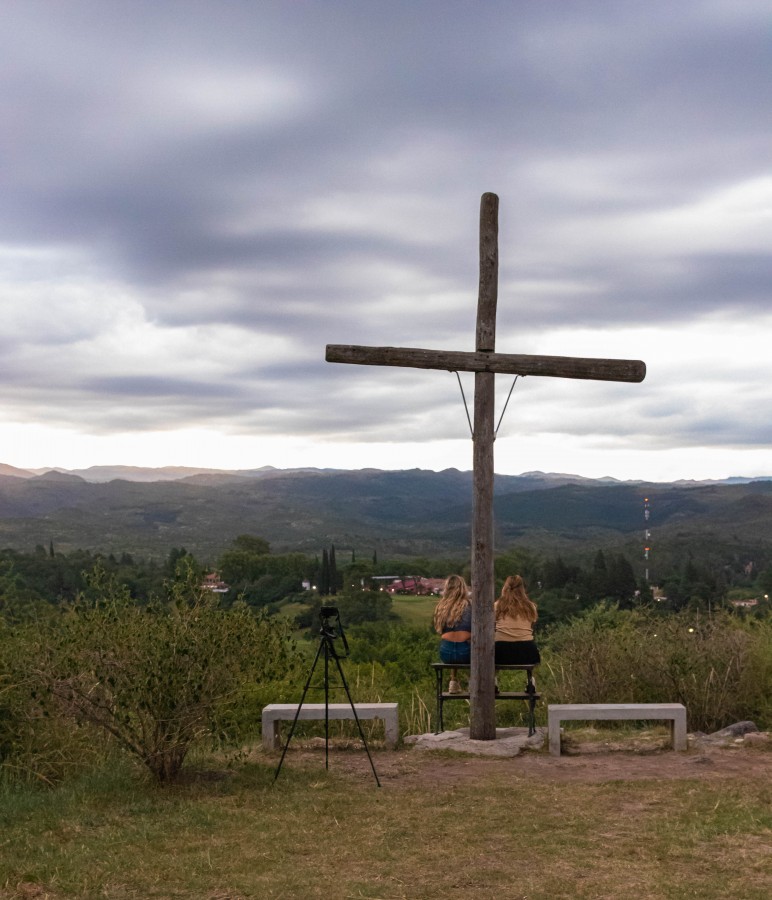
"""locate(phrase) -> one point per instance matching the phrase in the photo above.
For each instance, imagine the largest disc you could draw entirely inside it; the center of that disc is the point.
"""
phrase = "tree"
(249, 543)
(518, 561)
(333, 571)
(175, 555)
(555, 574)
(620, 583)
(598, 581)
(764, 581)
(324, 575)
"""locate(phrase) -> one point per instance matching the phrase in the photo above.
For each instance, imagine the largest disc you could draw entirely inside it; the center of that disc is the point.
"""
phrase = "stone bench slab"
(275, 713)
(562, 712)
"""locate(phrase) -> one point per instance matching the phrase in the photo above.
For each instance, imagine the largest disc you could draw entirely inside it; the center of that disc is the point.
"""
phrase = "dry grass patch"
(480, 829)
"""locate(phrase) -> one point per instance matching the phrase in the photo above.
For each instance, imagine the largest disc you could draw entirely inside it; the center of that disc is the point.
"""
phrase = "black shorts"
(517, 653)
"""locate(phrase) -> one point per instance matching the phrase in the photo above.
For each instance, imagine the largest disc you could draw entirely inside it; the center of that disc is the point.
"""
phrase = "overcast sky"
(197, 197)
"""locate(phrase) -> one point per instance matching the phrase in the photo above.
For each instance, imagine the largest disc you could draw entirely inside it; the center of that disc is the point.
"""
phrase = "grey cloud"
(637, 293)
(207, 220)
(140, 387)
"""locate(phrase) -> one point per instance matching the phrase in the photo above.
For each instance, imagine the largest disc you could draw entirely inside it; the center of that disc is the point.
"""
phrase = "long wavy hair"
(514, 603)
(451, 606)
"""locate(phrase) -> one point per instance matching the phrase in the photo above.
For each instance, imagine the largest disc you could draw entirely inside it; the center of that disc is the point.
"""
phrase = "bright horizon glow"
(40, 447)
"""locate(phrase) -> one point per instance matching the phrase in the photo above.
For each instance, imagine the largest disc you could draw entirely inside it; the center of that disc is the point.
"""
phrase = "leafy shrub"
(35, 745)
(718, 666)
(160, 677)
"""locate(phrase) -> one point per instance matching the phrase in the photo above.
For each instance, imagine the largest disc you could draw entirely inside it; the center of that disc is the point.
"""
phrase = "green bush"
(159, 678)
(719, 666)
(34, 744)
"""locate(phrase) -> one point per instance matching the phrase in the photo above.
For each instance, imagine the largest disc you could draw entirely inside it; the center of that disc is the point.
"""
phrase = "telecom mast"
(646, 537)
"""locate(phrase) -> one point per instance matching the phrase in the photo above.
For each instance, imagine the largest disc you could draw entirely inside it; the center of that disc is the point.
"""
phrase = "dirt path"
(589, 763)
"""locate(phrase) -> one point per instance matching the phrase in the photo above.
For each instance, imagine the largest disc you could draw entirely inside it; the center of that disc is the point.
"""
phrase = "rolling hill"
(403, 513)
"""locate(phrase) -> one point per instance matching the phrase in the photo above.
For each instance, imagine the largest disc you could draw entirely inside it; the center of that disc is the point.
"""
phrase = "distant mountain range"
(99, 474)
(404, 513)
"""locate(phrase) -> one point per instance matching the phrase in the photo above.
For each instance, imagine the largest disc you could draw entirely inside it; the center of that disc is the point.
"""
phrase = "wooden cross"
(485, 363)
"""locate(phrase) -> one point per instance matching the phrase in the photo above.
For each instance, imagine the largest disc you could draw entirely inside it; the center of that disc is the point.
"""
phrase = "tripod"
(330, 620)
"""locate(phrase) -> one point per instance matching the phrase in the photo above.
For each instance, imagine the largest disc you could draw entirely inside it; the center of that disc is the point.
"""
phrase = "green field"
(414, 611)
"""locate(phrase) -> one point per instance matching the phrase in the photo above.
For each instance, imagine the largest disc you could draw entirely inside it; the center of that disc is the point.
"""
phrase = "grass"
(482, 833)
(414, 611)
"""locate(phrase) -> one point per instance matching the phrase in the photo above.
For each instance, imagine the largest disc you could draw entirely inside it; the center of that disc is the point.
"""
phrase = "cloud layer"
(197, 197)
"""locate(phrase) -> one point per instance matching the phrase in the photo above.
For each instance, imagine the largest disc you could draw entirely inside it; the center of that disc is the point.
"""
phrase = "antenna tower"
(646, 537)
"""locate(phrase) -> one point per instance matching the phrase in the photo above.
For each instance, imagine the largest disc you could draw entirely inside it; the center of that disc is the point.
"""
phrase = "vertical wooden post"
(488, 293)
(482, 674)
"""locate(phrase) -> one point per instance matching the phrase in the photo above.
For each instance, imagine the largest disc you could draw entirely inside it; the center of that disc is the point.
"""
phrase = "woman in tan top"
(515, 616)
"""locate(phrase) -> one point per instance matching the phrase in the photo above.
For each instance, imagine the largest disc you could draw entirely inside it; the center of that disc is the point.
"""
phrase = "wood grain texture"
(482, 721)
(630, 370)
(488, 292)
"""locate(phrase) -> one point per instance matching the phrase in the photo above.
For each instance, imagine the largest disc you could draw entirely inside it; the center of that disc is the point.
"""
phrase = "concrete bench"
(275, 713)
(585, 712)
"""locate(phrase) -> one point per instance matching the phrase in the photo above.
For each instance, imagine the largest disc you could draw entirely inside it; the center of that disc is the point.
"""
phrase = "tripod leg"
(326, 703)
(297, 711)
(356, 717)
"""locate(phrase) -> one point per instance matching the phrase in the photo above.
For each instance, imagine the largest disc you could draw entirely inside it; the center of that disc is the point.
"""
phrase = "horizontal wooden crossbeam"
(632, 370)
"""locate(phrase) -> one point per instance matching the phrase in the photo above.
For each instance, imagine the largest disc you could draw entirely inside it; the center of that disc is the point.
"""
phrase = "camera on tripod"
(331, 629)
(329, 632)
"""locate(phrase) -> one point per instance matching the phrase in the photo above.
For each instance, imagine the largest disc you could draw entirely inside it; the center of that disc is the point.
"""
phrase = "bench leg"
(532, 717)
(440, 726)
(391, 729)
(678, 730)
(271, 734)
(553, 733)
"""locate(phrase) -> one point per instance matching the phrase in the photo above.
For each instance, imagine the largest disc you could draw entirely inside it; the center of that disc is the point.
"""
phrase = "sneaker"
(454, 687)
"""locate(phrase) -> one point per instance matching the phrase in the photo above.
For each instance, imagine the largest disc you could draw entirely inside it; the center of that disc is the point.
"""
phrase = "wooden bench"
(529, 694)
(561, 712)
(275, 713)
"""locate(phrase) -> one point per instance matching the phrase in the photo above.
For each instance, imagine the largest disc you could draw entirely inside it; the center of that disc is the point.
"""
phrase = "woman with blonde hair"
(453, 622)
(515, 616)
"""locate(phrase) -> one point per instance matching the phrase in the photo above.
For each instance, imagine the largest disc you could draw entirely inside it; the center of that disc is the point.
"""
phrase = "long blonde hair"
(451, 606)
(514, 603)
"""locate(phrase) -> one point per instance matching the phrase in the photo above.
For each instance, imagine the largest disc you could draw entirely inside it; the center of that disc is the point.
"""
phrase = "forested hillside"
(408, 513)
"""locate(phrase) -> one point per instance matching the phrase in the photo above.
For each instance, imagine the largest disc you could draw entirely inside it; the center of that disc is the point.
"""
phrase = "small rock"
(757, 738)
(736, 730)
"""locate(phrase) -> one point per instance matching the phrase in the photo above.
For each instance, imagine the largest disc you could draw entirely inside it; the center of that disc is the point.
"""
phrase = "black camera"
(331, 628)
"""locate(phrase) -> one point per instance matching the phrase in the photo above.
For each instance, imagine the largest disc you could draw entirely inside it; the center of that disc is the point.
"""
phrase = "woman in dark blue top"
(453, 622)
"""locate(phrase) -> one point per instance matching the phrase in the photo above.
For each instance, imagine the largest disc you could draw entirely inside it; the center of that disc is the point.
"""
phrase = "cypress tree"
(324, 578)
(333, 571)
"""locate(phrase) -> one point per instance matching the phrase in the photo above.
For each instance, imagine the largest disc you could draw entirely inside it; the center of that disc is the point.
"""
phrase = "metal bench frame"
(530, 694)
